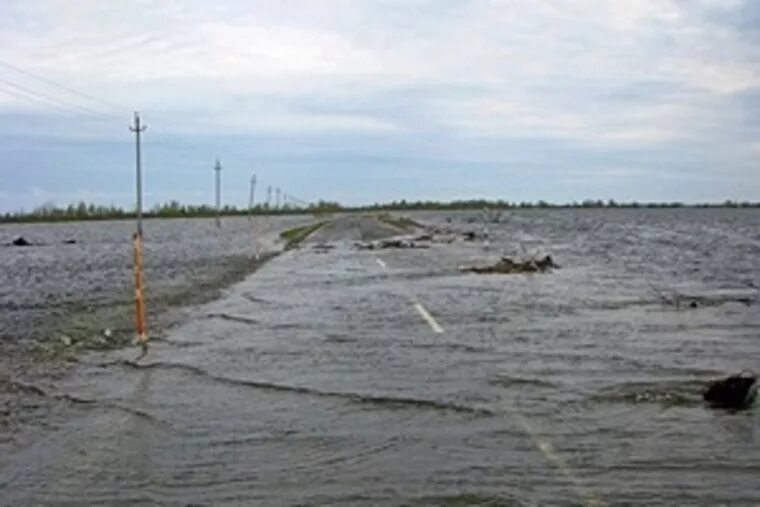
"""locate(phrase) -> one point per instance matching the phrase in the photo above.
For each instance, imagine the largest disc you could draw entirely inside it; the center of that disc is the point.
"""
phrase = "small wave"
(287, 325)
(675, 301)
(682, 393)
(449, 346)
(255, 299)
(232, 318)
(464, 499)
(391, 401)
(385, 401)
(506, 381)
(21, 387)
(340, 339)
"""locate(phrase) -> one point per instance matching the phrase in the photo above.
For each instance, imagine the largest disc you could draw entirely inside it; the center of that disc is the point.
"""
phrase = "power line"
(33, 99)
(61, 86)
(51, 101)
(81, 126)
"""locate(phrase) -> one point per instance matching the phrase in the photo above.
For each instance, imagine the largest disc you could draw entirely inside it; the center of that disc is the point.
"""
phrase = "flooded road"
(388, 377)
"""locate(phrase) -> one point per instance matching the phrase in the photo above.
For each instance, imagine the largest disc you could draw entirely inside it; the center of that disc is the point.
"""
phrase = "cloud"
(419, 82)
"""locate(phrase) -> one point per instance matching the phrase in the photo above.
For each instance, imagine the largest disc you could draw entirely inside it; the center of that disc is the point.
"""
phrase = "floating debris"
(386, 244)
(507, 266)
(475, 235)
(736, 391)
(21, 241)
(69, 242)
(323, 247)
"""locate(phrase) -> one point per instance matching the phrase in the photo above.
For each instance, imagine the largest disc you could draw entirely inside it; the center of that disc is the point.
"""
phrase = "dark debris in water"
(475, 235)
(694, 301)
(323, 247)
(21, 241)
(396, 243)
(507, 266)
(734, 392)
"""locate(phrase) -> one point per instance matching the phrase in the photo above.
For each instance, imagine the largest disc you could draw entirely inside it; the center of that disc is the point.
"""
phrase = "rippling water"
(52, 279)
(316, 381)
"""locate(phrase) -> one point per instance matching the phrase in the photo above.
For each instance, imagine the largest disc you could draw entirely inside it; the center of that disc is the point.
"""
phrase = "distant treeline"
(174, 209)
(171, 209)
(588, 203)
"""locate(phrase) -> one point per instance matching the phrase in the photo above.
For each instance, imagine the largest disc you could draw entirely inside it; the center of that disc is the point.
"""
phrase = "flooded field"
(339, 375)
(80, 267)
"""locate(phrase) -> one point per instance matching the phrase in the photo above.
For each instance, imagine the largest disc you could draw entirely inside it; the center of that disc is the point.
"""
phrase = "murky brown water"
(317, 380)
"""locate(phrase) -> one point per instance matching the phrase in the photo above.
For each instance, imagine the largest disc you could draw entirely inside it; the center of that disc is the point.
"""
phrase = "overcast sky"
(364, 101)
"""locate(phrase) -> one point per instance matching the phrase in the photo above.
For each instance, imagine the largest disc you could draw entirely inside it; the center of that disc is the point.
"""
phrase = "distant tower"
(250, 198)
(218, 171)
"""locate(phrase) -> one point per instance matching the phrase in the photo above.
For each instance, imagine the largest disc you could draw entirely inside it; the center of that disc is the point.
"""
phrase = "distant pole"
(269, 196)
(277, 201)
(250, 199)
(137, 129)
(253, 223)
(218, 171)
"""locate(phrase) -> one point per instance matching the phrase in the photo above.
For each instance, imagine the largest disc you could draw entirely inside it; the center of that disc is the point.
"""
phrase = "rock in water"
(21, 241)
(546, 263)
(736, 391)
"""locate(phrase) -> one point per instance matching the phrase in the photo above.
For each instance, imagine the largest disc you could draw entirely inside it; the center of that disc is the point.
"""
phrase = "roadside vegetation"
(174, 209)
(399, 222)
(293, 237)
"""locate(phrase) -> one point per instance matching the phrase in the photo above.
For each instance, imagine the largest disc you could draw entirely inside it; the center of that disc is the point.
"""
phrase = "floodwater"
(53, 278)
(388, 377)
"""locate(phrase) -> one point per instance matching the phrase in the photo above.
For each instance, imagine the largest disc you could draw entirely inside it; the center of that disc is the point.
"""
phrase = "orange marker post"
(140, 324)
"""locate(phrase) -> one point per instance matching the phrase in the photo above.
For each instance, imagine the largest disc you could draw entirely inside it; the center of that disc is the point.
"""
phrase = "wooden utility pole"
(140, 324)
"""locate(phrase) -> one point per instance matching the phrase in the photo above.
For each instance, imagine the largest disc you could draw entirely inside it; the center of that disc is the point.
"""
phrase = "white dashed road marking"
(428, 318)
(544, 446)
